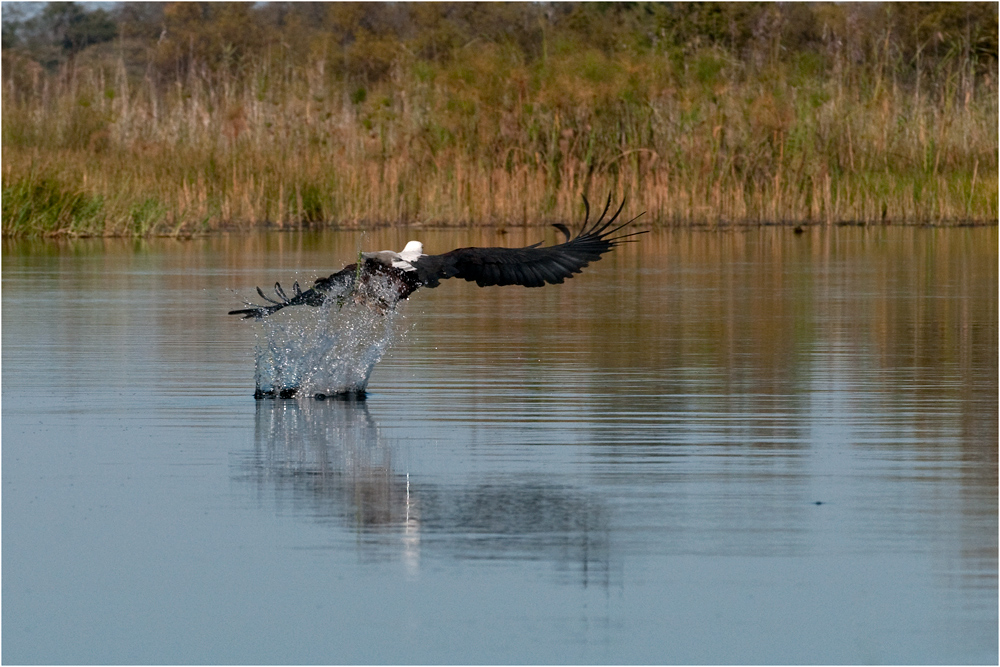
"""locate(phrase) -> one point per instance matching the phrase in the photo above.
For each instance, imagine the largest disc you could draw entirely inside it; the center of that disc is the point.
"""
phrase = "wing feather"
(534, 265)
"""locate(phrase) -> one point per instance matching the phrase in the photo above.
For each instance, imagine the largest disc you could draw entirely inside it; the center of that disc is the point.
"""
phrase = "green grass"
(44, 206)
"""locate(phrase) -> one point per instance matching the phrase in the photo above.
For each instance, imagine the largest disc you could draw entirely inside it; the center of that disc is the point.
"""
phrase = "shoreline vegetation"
(189, 118)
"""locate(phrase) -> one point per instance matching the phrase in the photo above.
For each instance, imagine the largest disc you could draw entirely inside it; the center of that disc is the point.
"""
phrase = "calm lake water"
(712, 447)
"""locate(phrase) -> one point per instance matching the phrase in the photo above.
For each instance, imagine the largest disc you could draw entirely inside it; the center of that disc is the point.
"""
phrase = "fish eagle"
(382, 279)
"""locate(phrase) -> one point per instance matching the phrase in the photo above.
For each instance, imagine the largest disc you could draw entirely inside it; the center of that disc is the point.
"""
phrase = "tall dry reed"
(491, 139)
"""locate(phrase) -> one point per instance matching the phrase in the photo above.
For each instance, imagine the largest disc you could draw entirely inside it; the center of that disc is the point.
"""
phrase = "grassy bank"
(491, 137)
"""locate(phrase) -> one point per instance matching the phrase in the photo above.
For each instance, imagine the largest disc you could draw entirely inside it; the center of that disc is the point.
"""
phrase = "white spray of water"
(330, 350)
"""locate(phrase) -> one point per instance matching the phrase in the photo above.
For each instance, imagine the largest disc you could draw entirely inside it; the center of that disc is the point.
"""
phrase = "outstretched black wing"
(368, 278)
(338, 283)
(532, 266)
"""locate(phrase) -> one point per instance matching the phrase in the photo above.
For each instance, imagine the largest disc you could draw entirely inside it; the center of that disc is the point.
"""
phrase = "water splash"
(328, 351)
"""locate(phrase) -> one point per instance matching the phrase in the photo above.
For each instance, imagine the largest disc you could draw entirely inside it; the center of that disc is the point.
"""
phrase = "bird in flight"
(382, 279)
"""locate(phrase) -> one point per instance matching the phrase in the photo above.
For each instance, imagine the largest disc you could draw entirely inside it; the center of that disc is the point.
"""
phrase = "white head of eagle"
(406, 271)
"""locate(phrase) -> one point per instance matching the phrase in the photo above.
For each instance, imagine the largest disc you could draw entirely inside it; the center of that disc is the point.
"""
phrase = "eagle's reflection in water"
(329, 462)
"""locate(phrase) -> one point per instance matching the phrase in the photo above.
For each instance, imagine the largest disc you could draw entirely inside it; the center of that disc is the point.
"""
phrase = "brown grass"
(491, 140)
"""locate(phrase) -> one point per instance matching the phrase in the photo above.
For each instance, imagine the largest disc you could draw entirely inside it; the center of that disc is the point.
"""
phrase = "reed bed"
(490, 139)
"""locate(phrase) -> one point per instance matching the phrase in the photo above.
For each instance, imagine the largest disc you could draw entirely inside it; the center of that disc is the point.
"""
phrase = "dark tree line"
(363, 40)
(59, 31)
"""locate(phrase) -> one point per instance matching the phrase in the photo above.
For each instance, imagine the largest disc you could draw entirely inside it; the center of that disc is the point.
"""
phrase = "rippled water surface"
(711, 447)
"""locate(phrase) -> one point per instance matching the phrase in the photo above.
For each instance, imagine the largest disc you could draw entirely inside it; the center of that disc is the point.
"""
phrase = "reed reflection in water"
(624, 468)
